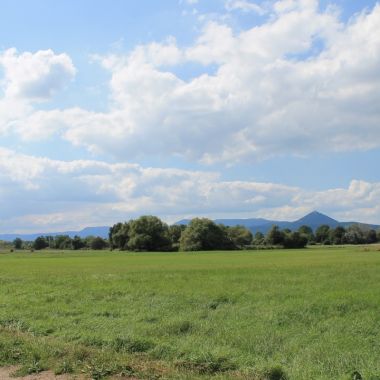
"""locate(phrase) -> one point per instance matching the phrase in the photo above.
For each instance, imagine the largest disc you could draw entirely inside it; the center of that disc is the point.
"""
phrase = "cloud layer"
(301, 82)
(43, 194)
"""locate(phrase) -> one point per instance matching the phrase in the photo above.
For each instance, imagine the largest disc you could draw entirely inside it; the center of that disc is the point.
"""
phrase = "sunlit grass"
(312, 314)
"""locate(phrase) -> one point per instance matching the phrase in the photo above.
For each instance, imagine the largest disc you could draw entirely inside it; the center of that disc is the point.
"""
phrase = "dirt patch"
(6, 374)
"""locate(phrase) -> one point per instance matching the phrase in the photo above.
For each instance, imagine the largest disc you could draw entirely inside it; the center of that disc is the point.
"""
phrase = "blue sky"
(218, 108)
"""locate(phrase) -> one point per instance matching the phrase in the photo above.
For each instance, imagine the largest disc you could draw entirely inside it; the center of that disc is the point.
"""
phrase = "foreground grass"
(309, 314)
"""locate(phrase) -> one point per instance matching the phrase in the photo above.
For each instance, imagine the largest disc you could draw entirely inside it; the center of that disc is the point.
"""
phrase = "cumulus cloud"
(39, 193)
(35, 76)
(301, 82)
(30, 78)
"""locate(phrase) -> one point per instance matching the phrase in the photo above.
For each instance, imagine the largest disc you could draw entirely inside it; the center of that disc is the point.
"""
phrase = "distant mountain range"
(89, 231)
(313, 220)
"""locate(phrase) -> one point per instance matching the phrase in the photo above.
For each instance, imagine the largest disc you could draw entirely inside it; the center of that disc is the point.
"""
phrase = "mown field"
(307, 314)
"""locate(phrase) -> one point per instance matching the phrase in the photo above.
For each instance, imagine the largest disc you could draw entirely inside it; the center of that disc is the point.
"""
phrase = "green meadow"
(276, 314)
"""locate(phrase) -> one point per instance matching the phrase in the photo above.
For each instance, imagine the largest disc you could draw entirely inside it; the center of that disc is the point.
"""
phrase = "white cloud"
(216, 44)
(35, 76)
(12, 111)
(299, 83)
(29, 78)
(245, 6)
(39, 193)
(166, 53)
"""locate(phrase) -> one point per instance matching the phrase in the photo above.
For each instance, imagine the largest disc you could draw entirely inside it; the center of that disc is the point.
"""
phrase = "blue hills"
(313, 220)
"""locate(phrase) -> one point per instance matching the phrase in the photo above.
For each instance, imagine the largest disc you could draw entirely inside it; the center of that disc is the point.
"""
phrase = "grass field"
(307, 314)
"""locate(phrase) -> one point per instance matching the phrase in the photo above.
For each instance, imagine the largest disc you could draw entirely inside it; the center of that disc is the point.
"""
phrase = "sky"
(180, 108)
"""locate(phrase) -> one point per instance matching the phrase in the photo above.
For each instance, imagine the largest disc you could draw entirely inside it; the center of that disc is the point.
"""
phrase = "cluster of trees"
(353, 234)
(323, 235)
(62, 242)
(285, 238)
(149, 233)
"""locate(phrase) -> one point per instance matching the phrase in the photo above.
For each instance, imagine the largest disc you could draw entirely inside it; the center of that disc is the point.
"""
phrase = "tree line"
(324, 235)
(150, 233)
(62, 242)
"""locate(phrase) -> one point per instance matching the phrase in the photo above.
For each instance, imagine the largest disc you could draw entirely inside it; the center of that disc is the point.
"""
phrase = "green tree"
(98, 243)
(17, 243)
(62, 242)
(322, 233)
(77, 243)
(370, 237)
(295, 240)
(239, 236)
(50, 240)
(40, 243)
(275, 236)
(259, 238)
(148, 233)
(336, 235)
(119, 235)
(354, 235)
(308, 232)
(203, 234)
(174, 233)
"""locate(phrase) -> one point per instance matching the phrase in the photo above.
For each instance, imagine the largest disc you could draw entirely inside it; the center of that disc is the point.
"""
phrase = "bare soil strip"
(7, 374)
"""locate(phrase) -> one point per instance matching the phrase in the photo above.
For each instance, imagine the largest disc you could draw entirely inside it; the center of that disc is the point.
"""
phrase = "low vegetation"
(276, 314)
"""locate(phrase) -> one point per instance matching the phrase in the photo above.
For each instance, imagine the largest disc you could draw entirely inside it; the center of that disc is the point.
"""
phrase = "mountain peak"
(315, 212)
(317, 218)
